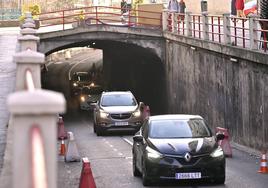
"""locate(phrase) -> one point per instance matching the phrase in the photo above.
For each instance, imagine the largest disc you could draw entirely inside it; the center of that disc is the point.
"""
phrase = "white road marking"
(114, 149)
(128, 141)
(77, 65)
(120, 154)
(111, 146)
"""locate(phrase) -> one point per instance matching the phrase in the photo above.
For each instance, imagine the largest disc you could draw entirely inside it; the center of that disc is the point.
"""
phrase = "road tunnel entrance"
(121, 66)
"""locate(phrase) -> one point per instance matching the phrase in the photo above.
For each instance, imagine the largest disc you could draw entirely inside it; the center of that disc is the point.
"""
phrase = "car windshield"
(118, 100)
(194, 128)
(83, 78)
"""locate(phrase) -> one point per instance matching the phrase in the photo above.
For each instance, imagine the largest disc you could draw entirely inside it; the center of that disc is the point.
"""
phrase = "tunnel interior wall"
(136, 69)
(227, 94)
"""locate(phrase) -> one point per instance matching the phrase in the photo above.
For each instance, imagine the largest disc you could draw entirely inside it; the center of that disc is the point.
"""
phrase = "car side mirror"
(138, 138)
(219, 136)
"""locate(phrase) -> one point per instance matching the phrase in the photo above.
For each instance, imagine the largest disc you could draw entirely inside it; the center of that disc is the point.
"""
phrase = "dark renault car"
(177, 147)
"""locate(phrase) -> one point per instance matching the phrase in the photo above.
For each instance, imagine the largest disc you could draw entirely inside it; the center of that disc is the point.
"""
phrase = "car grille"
(121, 116)
(184, 162)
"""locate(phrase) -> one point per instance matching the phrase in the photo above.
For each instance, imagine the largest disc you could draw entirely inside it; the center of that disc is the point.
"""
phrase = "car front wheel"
(99, 131)
(136, 172)
(145, 179)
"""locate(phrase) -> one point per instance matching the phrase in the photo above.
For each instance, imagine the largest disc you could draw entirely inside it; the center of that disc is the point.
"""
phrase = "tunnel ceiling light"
(233, 59)
(193, 48)
(93, 43)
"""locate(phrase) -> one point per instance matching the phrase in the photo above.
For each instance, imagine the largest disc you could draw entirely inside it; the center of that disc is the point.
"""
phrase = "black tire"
(94, 127)
(145, 179)
(219, 180)
(99, 131)
(135, 170)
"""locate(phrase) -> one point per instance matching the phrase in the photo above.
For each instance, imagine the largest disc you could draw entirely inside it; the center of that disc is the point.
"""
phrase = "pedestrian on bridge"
(239, 5)
(173, 6)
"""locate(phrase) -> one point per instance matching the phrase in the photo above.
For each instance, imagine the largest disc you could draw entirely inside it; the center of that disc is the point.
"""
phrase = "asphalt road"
(110, 156)
(111, 160)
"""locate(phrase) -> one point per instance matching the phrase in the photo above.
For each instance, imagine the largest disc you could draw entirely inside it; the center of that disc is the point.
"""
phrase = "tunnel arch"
(129, 63)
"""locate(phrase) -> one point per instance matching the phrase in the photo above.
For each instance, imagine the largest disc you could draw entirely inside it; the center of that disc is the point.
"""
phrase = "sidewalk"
(8, 46)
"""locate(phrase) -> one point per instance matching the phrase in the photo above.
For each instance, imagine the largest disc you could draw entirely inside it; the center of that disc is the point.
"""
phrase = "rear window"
(194, 128)
(118, 100)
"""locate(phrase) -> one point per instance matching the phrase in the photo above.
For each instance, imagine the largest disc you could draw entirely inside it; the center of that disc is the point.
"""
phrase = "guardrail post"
(226, 28)
(253, 34)
(164, 20)
(32, 60)
(205, 26)
(37, 108)
(188, 24)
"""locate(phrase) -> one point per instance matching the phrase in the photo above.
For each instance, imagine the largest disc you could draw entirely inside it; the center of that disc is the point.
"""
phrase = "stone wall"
(230, 93)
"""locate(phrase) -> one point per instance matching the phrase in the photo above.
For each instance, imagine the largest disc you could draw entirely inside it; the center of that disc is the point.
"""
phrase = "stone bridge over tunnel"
(132, 59)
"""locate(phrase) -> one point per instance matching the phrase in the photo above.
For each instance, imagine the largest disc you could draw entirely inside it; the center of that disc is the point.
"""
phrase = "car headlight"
(82, 99)
(153, 154)
(75, 84)
(217, 153)
(136, 113)
(103, 114)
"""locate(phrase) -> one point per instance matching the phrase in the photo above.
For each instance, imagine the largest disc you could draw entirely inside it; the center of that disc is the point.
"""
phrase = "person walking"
(173, 6)
(233, 8)
(239, 5)
(123, 6)
(182, 7)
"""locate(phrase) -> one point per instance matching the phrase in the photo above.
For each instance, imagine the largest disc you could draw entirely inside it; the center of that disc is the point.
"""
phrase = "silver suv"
(117, 110)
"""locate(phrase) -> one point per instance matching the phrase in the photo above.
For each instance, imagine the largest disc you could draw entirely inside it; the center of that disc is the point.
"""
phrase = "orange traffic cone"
(86, 179)
(263, 168)
(62, 148)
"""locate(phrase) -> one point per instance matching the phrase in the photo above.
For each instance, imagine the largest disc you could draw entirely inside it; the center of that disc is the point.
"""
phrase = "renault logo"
(187, 157)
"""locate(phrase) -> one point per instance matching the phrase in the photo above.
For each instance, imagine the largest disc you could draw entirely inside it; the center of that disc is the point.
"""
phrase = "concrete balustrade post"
(173, 23)
(164, 20)
(37, 108)
(205, 26)
(226, 28)
(28, 42)
(253, 34)
(28, 25)
(28, 31)
(188, 24)
(28, 17)
(32, 60)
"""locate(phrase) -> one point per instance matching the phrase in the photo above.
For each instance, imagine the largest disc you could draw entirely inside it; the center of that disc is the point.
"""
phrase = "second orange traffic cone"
(263, 167)
(62, 148)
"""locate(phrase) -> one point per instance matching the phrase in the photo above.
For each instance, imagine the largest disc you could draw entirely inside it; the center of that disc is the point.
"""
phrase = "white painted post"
(34, 108)
(253, 34)
(226, 28)
(28, 42)
(188, 24)
(164, 20)
(32, 60)
(205, 26)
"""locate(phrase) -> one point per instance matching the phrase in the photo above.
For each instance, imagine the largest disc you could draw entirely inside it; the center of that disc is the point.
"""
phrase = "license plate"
(192, 175)
(121, 123)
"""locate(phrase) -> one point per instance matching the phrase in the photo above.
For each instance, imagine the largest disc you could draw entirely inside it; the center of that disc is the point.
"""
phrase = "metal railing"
(224, 29)
(103, 15)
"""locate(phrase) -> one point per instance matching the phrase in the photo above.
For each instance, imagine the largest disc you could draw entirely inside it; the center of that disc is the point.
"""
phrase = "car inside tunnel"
(122, 67)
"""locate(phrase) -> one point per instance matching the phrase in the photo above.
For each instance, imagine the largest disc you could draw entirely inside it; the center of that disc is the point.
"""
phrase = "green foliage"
(34, 9)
